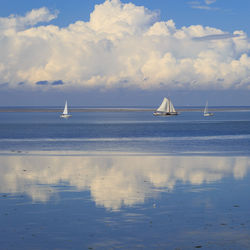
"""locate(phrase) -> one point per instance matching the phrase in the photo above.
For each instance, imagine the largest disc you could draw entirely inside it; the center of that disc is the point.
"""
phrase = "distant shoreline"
(98, 109)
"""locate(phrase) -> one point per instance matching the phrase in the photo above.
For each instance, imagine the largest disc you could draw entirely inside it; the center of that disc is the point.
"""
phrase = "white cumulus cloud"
(122, 45)
(30, 19)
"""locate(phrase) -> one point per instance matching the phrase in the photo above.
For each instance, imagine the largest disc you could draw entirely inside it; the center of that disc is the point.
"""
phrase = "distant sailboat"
(166, 108)
(65, 113)
(206, 113)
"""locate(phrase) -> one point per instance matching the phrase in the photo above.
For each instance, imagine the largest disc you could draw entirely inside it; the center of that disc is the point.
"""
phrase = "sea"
(121, 178)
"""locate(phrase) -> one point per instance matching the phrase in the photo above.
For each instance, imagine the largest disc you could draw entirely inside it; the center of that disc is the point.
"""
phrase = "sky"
(124, 53)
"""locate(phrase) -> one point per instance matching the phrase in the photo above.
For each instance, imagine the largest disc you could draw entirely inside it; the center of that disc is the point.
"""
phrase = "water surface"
(129, 180)
(225, 133)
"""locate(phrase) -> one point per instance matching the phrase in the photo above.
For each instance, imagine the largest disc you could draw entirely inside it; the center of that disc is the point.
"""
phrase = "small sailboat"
(206, 113)
(65, 113)
(166, 108)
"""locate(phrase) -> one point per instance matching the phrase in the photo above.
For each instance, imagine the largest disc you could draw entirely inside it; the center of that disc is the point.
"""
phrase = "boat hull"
(165, 114)
(166, 108)
(208, 114)
(65, 116)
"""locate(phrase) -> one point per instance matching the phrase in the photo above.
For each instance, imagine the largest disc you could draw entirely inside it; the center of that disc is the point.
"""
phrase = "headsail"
(164, 105)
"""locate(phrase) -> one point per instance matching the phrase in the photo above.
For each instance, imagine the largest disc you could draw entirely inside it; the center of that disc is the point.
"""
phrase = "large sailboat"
(166, 108)
(65, 113)
(206, 113)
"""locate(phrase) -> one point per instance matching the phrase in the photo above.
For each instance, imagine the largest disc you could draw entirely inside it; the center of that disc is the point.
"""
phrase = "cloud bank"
(122, 45)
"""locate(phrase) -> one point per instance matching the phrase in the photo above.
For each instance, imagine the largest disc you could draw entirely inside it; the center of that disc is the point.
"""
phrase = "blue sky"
(135, 55)
(228, 15)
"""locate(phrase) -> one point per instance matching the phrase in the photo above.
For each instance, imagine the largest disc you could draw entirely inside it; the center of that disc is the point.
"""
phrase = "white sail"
(206, 113)
(206, 109)
(166, 108)
(164, 105)
(172, 109)
(65, 111)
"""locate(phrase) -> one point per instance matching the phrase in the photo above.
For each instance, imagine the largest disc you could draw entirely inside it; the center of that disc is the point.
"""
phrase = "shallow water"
(225, 133)
(125, 180)
(124, 201)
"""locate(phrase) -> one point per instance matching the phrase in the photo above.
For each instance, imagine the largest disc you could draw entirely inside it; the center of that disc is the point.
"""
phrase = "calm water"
(125, 180)
(226, 132)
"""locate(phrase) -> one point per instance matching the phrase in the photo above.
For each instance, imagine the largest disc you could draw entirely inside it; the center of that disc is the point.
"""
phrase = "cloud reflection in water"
(113, 181)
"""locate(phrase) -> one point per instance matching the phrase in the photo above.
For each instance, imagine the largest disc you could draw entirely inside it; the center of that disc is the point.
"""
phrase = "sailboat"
(65, 113)
(206, 113)
(166, 108)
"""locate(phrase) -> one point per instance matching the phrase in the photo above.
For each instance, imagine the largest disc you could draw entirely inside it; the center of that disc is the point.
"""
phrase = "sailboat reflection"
(113, 181)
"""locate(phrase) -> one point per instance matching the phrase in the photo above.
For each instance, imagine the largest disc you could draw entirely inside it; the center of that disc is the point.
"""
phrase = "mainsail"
(172, 109)
(65, 111)
(206, 109)
(206, 112)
